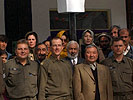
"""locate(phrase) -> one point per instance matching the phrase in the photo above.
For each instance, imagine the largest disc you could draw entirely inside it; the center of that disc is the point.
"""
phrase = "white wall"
(40, 14)
(2, 23)
(117, 7)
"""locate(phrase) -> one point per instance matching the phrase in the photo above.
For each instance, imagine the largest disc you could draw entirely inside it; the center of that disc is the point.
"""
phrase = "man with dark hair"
(121, 69)
(21, 74)
(114, 31)
(105, 43)
(126, 36)
(3, 44)
(56, 75)
(41, 52)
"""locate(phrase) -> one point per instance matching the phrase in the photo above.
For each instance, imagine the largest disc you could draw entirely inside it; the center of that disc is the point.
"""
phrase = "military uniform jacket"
(21, 81)
(55, 80)
(121, 73)
(2, 86)
(85, 86)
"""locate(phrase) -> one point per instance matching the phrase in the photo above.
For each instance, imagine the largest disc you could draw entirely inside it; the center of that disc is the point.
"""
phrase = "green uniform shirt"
(121, 73)
(55, 80)
(21, 81)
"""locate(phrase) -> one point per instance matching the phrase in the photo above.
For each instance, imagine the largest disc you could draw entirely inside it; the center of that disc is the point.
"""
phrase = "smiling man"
(41, 52)
(21, 74)
(56, 75)
(92, 81)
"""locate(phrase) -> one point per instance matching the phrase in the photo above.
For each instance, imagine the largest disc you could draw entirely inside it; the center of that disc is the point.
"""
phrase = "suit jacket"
(2, 87)
(80, 60)
(84, 83)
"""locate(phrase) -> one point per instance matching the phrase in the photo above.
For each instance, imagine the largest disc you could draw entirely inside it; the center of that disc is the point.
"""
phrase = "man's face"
(91, 54)
(22, 51)
(114, 32)
(31, 41)
(124, 34)
(73, 50)
(41, 52)
(118, 47)
(3, 45)
(56, 47)
(4, 58)
(104, 42)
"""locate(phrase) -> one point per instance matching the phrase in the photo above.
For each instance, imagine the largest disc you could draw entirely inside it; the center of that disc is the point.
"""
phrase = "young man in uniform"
(56, 75)
(121, 69)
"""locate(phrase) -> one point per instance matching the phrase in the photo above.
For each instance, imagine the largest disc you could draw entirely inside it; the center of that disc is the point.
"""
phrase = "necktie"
(93, 66)
(74, 63)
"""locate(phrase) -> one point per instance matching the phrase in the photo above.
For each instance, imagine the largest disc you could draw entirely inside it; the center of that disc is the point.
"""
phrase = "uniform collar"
(54, 59)
(27, 63)
(123, 59)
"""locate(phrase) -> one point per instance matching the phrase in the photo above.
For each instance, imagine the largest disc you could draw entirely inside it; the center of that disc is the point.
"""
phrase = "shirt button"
(94, 91)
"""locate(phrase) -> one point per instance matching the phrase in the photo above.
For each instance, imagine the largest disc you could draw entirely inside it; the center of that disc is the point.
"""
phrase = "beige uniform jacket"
(21, 81)
(55, 80)
(2, 86)
(84, 83)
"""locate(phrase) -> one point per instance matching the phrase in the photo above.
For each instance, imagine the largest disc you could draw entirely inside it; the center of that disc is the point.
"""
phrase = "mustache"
(44, 55)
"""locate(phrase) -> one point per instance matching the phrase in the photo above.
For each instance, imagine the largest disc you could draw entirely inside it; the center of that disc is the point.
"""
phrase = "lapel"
(70, 61)
(100, 76)
(78, 60)
(88, 70)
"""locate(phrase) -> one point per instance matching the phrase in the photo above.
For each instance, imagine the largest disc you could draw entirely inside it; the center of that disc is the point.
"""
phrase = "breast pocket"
(14, 76)
(127, 76)
(33, 78)
(113, 74)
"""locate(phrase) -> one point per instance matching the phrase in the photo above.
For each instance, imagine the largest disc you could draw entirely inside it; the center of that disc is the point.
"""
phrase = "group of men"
(70, 78)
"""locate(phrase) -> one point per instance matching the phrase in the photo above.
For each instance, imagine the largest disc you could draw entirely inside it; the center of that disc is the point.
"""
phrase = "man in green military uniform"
(21, 74)
(2, 86)
(121, 69)
(56, 75)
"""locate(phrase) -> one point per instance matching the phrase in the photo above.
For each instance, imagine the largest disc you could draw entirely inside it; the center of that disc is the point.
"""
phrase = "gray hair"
(90, 46)
(72, 42)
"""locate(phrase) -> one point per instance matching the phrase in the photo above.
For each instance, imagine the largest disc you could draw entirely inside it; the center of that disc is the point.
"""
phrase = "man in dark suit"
(73, 50)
